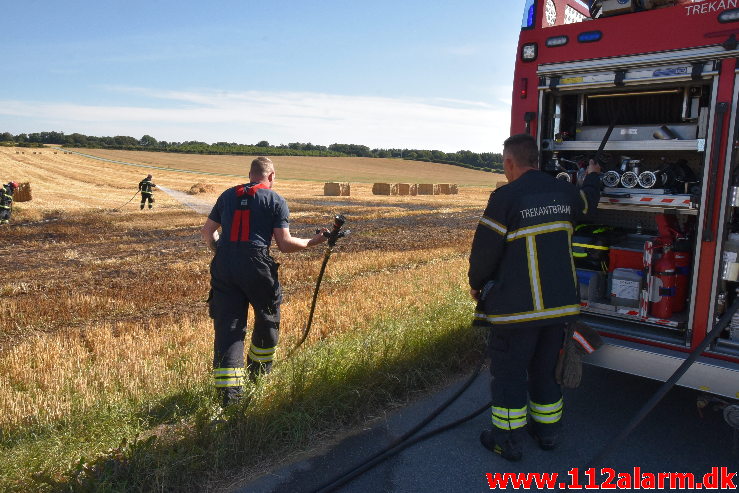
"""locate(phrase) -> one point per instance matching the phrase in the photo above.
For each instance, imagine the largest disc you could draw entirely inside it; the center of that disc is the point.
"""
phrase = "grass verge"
(171, 443)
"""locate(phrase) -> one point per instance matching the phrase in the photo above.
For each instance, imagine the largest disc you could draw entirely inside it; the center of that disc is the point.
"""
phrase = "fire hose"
(405, 441)
(129, 201)
(333, 236)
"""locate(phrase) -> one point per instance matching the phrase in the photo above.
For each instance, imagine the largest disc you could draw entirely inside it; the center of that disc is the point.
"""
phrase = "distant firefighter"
(6, 201)
(145, 187)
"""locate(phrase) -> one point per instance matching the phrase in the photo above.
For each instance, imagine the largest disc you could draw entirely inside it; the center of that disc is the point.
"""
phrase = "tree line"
(486, 161)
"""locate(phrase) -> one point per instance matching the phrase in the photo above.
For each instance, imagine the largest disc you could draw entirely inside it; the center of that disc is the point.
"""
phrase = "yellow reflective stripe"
(230, 382)
(585, 201)
(540, 229)
(504, 412)
(228, 372)
(592, 247)
(257, 350)
(572, 261)
(494, 225)
(533, 315)
(261, 359)
(545, 408)
(534, 279)
(509, 425)
(547, 418)
(262, 354)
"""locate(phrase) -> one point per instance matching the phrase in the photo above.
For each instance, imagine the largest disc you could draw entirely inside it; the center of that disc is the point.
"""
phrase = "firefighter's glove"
(580, 340)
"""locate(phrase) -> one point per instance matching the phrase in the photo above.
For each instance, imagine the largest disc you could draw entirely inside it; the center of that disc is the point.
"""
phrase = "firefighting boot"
(509, 449)
(257, 369)
(230, 395)
(546, 441)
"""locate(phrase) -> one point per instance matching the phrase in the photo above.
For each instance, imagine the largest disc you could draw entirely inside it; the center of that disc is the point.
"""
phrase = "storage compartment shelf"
(647, 208)
(676, 323)
(697, 145)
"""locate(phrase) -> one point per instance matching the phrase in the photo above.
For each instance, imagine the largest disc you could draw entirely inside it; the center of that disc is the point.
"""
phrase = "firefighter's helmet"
(13, 185)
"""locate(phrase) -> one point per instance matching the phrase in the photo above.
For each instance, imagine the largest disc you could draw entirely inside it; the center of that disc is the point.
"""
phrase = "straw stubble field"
(101, 306)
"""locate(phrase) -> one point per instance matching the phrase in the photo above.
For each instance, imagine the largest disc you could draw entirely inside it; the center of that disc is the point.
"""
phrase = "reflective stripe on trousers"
(228, 377)
(546, 413)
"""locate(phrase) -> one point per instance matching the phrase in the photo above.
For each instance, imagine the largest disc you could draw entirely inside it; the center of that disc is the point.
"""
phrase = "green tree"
(148, 141)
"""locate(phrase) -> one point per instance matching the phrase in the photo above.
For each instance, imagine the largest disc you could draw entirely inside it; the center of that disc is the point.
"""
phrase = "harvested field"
(107, 302)
(320, 169)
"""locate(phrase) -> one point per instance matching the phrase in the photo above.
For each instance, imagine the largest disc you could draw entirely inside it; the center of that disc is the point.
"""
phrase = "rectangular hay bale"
(444, 189)
(23, 193)
(332, 189)
(404, 188)
(426, 189)
(381, 189)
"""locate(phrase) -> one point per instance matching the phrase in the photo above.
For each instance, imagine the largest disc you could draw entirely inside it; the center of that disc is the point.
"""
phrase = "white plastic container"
(626, 286)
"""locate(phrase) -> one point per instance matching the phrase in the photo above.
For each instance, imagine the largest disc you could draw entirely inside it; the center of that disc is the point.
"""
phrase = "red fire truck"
(650, 89)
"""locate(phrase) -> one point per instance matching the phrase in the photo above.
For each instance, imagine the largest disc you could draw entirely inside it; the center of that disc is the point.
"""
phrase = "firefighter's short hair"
(523, 150)
(261, 166)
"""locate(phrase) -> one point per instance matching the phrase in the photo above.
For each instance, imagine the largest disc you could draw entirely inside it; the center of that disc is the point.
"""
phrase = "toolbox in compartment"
(628, 254)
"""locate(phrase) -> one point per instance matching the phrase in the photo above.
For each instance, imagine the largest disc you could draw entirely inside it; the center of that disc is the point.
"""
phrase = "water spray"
(197, 205)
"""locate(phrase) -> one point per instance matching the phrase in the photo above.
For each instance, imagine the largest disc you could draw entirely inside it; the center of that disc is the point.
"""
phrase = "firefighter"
(145, 187)
(243, 273)
(6, 201)
(522, 275)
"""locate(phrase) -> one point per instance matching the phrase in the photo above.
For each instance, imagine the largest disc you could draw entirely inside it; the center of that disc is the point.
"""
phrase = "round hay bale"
(201, 188)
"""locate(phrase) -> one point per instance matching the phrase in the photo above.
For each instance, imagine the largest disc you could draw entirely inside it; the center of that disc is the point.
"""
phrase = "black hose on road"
(403, 441)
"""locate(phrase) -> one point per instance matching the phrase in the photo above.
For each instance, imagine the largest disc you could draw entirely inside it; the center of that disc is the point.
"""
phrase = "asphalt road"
(673, 438)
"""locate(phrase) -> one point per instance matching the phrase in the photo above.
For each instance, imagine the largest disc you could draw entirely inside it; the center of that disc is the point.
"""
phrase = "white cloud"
(280, 117)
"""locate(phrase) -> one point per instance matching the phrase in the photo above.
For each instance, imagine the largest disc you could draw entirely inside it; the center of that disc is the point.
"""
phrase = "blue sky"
(405, 73)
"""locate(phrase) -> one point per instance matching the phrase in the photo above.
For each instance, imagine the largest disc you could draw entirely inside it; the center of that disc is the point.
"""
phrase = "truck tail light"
(524, 88)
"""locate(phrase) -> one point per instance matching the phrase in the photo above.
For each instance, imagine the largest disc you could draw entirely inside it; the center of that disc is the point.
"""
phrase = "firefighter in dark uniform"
(6, 201)
(243, 273)
(145, 187)
(523, 277)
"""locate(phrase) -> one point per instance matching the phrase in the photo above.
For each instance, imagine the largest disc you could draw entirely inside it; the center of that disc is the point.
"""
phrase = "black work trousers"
(240, 277)
(147, 196)
(523, 381)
